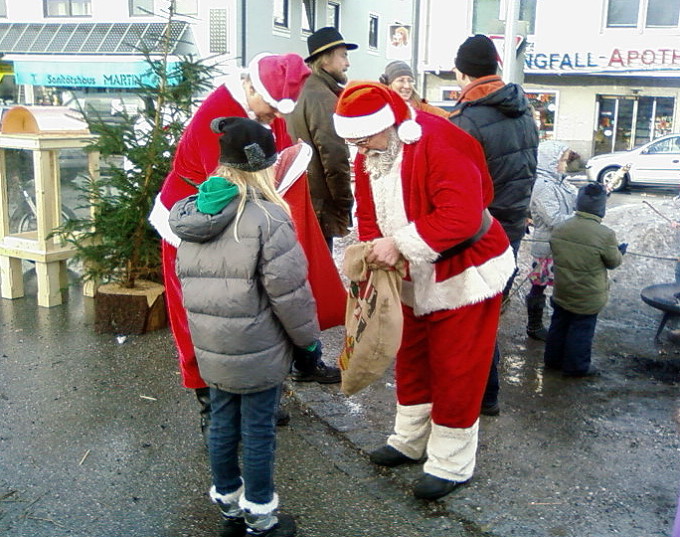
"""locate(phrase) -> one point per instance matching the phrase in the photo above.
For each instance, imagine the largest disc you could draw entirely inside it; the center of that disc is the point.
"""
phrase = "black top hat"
(324, 40)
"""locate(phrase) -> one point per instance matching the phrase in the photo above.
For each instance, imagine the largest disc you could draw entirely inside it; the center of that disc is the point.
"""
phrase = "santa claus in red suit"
(268, 90)
(422, 188)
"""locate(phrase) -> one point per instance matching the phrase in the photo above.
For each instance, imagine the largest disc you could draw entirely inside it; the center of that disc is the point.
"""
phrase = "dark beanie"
(477, 57)
(245, 144)
(592, 198)
(394, 70)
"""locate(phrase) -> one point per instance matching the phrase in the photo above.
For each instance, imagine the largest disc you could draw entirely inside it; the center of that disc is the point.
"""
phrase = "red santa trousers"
(444, 359)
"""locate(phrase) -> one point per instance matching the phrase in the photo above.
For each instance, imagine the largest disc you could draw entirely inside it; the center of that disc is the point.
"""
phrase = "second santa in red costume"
(270, 88)
(422, 188)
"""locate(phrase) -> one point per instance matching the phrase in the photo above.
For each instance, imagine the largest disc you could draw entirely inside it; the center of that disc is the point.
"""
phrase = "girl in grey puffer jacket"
(244, 286)
(552, 201)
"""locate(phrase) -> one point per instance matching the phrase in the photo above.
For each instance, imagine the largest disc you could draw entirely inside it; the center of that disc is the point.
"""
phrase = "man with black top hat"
(499, 116)
(329, 170)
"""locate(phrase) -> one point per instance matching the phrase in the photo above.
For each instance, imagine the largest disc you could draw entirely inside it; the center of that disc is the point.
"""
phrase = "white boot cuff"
(259, 508)
(411, 430)
(225, 498)
(452, 453)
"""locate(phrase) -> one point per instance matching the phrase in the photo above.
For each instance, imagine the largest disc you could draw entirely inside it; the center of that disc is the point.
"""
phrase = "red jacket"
(445, 189)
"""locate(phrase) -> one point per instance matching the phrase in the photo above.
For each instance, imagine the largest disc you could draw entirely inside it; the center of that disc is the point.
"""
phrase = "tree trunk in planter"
(118, 310)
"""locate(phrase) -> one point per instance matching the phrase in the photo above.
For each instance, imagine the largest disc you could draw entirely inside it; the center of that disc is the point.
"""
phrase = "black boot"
(203, 396)
(535, 328)
(309, 367)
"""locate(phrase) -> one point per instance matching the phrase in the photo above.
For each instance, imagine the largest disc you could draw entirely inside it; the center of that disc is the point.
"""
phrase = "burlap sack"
(373, 320)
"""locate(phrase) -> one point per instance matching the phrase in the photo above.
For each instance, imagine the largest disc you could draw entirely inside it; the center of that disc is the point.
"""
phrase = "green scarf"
(214, 194)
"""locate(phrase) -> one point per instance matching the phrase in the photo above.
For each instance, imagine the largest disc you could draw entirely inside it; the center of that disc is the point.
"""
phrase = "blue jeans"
(570, 341)
(249, 419)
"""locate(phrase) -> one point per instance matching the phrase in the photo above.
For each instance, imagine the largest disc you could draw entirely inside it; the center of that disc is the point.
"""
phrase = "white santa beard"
(388, 198)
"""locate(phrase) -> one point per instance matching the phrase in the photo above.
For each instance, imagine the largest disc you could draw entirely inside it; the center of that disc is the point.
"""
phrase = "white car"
(654, 164)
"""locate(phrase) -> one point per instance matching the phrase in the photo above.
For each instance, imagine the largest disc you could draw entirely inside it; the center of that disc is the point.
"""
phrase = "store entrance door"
(628, 121)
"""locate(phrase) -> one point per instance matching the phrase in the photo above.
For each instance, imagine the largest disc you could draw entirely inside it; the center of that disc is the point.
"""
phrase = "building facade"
(55, 51)
(602, 75)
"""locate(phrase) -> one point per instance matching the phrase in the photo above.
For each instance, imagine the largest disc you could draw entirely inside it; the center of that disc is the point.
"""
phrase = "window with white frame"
(487, 13)
(643, 14)
(3, 8)
(67, 8)
(281, 14)
(186, 7)
(333, 15)
(373, 31)
(140, 8)
(308, 16)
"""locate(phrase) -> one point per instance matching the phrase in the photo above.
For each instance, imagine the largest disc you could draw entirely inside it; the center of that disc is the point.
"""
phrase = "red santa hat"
(278, 78)
(367, 108)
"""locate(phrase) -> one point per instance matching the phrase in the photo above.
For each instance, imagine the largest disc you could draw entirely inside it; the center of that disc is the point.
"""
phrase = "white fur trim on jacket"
(411, 430)
(296, 169)
(159, 219)
(412, 246)
(259, 508)
(452, 453)
(477, 283)
(362, 126)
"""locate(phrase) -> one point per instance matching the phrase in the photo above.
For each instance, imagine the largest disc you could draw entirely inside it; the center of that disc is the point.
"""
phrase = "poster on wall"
(399, 42)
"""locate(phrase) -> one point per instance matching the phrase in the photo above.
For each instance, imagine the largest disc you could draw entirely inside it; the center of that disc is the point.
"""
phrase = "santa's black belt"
(461, 246)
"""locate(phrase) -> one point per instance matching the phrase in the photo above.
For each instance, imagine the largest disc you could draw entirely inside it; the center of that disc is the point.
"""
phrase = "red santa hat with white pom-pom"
(278, 78)
(367, 108)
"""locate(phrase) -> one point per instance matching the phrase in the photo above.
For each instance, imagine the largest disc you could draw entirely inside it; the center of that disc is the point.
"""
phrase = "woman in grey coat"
(552, 201)
(244, 285)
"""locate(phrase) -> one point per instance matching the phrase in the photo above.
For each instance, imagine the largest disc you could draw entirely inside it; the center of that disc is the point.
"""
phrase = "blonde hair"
(253, 186)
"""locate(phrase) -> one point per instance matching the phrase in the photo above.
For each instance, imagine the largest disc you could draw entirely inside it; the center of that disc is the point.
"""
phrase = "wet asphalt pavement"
(97, 438)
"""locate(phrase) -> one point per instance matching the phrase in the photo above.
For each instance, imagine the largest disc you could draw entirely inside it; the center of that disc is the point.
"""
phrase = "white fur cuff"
(411, 430)
(159, 220)
(225, 498)
(259, 508)
(412, 246)
(452, 453)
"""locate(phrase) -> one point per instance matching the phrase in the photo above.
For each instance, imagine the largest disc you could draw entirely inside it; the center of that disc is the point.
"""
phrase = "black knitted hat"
(592, 198)
(477, 57)
(245, 144)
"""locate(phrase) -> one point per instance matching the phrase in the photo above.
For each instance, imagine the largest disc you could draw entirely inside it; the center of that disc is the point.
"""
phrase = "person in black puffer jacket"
(499, 116)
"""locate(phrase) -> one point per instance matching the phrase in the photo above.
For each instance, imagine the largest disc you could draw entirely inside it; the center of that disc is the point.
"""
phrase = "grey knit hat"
(592, 198)
(394, 70)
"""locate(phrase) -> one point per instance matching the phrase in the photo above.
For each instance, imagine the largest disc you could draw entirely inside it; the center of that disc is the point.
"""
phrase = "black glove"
(305, 359)
(623, 247)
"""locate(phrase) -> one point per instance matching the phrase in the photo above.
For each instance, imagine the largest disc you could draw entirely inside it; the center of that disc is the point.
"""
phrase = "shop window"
(141, 8)
(544, 106)
(67, 8)
(642, 14)
(281, 14)
(373, 31)
(308, 16)
(450, 93)
(333, 15)
(487, 13)
(626, 122)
